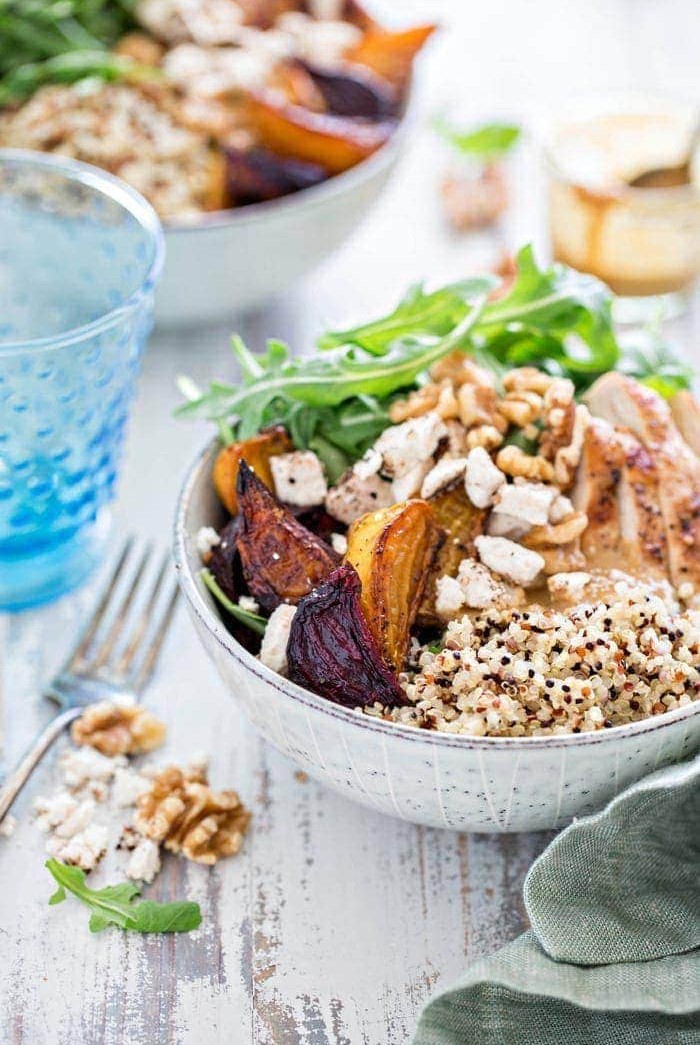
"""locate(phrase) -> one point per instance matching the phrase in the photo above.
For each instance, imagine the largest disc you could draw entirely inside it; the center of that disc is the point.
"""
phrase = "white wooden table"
(334, 924)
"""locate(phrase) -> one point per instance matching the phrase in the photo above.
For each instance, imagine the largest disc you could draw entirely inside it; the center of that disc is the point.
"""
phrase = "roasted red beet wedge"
(225, 563)
(255, 175)
(356, 93)
(332, 652)
(282, 560)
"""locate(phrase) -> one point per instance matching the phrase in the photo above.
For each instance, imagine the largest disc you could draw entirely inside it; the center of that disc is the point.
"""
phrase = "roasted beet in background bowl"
(491, 784)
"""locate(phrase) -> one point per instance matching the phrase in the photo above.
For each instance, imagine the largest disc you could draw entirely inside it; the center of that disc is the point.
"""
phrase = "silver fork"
(115, 656)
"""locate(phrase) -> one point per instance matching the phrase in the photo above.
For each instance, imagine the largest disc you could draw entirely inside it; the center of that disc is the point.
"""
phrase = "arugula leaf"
(484, 143)
(331, 378)
(416, 314)
(650, 359)
(251, 620)
(337, 402)
(558, 319)
(114, 905)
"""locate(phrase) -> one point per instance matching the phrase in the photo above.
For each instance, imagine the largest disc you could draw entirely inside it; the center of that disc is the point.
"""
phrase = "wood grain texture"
(335, 923)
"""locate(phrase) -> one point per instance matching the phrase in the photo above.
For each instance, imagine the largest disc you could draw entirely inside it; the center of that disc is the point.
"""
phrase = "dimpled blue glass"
(80, 254)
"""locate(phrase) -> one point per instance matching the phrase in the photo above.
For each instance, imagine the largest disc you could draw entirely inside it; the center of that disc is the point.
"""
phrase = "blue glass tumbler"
(80, 255)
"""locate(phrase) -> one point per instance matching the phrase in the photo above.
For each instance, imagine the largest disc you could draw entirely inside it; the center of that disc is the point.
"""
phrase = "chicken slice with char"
(686, 414)
(617, 487)
(596, 493)
(624, 402)
(641, 520)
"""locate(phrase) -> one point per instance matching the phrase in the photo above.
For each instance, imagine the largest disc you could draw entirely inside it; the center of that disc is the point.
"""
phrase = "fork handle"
(20, 775)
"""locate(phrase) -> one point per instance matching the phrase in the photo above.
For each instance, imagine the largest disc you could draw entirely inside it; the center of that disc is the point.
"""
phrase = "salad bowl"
(484, 784)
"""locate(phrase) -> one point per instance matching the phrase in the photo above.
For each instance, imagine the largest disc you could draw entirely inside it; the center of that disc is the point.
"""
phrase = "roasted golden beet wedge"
(281, 560)
(334, 142)
(390, 55)
(461, 523)
(332, 651)
(257, 451)
(392, 551)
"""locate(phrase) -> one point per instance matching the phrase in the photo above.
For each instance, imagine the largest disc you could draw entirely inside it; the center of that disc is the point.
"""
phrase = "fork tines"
(129, 625)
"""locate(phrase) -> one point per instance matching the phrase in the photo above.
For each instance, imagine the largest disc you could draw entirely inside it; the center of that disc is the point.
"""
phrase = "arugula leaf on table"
(115, 904)
(251, 620)
(485, 143)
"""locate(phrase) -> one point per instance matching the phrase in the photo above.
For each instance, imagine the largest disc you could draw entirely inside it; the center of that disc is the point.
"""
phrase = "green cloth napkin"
(612, 957)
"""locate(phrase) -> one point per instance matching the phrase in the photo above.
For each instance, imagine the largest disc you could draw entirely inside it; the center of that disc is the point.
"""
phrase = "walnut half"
(183, 813)
(114, 729)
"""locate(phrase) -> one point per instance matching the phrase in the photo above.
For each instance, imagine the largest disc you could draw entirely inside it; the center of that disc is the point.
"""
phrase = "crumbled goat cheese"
(271, 42)
(85, 766)
(74, 838)
(321, 42)
(354, 496)
(144, 862)
(569, 586)
(527, 501)
(409, 484)
(480, 588)
(481, 478)
(205, 22)
(128, 785)
(560, 508)
(210, 72)
(509, 559)
(273, 651)
(8, 826)
(339, 543)
(84, 849)
(249, 604)
(442, 474)
(411, 443)
(368, 465)
(449, 597)
(206, 540)
(63, 813)
(502, 525)
(299, 478)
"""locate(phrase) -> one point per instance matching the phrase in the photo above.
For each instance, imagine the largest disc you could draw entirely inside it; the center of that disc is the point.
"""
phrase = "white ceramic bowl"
(466, 783)
(232, 261)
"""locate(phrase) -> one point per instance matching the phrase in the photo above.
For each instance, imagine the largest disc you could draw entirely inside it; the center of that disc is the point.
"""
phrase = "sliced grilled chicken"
(686, 413)
(641, 520)
(623, 401)
(595, 492)
(617, 487)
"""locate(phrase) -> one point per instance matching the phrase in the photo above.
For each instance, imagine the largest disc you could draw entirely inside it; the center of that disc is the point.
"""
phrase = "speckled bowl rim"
(246, 661)
(129, 200)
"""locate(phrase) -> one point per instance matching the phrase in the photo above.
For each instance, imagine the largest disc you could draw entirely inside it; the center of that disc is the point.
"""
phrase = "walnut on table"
(473, 203)
(183, 813)
(115, 729)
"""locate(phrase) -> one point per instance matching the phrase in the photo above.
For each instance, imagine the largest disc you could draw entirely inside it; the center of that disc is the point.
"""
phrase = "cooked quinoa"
(511, 673)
